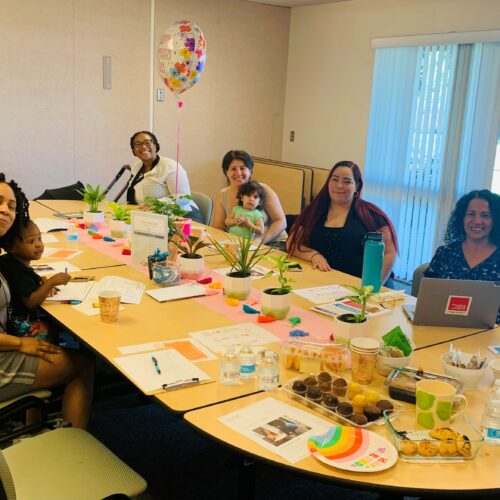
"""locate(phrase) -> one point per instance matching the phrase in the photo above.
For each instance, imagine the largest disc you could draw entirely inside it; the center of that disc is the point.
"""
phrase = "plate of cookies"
(456, 443)
(335, 397)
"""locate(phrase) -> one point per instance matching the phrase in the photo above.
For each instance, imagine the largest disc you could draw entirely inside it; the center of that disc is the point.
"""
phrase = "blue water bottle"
(373, 259)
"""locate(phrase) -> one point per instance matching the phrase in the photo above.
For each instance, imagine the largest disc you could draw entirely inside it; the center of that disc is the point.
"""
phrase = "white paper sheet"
(323, 294)
(149, 232)
(346, 306)
(217, 339)
(45, 224)
(49, 238)
(50, 268)
(131, 291)
(72, 291)
(278, 427)
(176, 292)
(173, 366)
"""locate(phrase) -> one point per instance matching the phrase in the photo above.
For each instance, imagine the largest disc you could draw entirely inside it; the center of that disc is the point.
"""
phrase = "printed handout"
(323, 294)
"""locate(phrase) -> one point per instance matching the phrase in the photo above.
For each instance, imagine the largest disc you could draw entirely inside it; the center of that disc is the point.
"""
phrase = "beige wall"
(330, 67)
(59, 125)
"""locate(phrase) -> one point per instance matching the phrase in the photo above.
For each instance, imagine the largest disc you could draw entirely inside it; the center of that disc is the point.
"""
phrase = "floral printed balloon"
(181, 56)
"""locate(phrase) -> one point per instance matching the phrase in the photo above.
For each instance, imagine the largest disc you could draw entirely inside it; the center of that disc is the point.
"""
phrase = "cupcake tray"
(332, 414)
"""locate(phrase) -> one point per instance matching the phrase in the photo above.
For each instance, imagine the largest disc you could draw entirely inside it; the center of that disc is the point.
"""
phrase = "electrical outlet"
(292, 135)
(160, 95)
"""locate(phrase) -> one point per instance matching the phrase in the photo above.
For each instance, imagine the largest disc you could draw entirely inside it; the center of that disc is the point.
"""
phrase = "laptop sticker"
(458, 305)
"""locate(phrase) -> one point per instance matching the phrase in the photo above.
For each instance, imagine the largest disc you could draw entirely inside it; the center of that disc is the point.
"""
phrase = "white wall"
(59, 125)
(330, 67)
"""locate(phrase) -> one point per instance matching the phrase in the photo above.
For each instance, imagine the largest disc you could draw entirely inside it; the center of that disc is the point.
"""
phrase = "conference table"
(202, 405)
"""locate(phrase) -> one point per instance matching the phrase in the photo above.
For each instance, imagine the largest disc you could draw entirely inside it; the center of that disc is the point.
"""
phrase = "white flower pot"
(344, 331)
(237, 287)
(192, 269)
(95, 219)
(276, 306)
(118, 228)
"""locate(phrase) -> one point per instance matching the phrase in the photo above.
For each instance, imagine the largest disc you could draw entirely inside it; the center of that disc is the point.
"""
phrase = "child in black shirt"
(28, 289)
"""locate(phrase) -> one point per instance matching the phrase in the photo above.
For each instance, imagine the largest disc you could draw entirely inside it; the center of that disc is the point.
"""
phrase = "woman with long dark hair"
(28, 363)
(331, 230)
(472, 240)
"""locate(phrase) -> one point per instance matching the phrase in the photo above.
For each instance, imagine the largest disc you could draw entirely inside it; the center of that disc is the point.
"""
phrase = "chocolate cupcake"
(314, 394)
(345, 409)
(325, 387)
(359, 419)
(299, 387)
(311, 380)
(324, 377)
(372, 412)
(339, 387)
(330, 401)
(384, 404)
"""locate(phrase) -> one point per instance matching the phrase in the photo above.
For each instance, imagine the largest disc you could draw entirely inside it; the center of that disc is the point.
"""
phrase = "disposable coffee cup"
(109, 304)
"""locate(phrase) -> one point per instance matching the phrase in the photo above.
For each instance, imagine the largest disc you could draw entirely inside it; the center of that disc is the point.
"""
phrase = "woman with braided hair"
(28, 363)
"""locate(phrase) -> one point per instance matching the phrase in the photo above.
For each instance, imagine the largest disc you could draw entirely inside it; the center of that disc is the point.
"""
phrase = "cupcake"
(353, 389)
(324, 377)
(339, 387)
(311, 380)
(345, 409)
(384, 404)
(359, 420)
(372, 412)
(299, 387)
(325, 387)
(330, 401)
(314, 394)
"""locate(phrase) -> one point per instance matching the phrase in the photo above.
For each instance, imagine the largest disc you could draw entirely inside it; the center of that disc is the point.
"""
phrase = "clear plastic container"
(248, 360)
(490, 423)
(230, 367)
(364, 352)
(269, 371)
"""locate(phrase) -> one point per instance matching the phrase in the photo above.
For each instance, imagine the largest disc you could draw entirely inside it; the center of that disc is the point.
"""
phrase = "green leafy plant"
(188, 245)
(282, 266)
(92, 196)
(362, 295)
(168, 206)
(120, 212)
(243, 259)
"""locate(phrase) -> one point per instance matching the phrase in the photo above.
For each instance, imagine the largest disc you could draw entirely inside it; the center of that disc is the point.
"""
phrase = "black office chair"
(63, 193)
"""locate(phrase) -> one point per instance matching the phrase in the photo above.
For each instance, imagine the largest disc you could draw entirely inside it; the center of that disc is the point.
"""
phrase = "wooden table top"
(480, 474)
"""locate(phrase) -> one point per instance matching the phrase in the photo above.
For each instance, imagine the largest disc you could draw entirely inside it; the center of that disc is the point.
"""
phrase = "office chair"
(63, 193)
(205, 204)
(64, 463)
(115, 179)
(418, 274)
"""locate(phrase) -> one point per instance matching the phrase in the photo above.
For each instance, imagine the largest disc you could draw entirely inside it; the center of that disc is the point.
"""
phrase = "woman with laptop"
(472, 240)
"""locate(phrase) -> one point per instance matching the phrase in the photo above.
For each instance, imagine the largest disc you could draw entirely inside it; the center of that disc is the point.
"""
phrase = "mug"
(434, 404)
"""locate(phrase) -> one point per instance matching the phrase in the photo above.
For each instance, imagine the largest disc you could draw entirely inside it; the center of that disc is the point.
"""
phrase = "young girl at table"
(28, 289)
(246, 219)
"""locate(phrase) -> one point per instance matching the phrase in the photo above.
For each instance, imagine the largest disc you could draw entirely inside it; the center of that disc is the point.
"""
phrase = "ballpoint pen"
(72, 302)
(181, 383)
(157, 366)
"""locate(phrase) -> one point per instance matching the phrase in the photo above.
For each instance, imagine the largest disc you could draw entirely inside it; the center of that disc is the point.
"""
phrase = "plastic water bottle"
(269, 372)
(230, 367)
(247, 362)
(490, 423)
(373, 258)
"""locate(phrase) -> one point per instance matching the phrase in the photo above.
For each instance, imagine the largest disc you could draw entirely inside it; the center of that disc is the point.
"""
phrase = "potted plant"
(120, 223)
(276, 301)
(93, 196)
(349, 325)
(191, 262)
(168, 206)
(241, 258)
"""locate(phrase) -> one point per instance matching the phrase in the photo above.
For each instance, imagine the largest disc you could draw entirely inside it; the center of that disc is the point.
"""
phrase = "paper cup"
(109, 304)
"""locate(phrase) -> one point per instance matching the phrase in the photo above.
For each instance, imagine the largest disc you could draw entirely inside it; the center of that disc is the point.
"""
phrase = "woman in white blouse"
(157, 176)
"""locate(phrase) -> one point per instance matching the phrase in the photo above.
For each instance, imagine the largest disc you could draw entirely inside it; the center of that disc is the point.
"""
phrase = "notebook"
(457, 303)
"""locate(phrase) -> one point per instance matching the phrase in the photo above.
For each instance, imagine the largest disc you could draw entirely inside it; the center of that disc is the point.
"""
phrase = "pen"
(181, 383)
(157, 366)
(73, 302)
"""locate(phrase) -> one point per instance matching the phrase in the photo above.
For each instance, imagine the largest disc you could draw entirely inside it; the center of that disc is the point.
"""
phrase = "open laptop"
(458, 303)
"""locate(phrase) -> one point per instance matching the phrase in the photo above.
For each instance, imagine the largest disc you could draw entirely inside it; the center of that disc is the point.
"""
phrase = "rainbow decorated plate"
(353, 449)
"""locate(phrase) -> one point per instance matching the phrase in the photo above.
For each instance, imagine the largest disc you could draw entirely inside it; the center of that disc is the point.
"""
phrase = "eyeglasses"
(344, 182)
(139, 144)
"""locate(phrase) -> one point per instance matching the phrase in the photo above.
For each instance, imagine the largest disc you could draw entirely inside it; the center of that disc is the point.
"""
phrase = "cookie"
(464, 446)
(407, 447)
(443, 433)
(428, 448)
(448, 448)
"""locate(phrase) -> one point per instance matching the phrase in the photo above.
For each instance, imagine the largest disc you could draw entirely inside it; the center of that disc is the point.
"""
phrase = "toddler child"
(246, 219)
(28, 289)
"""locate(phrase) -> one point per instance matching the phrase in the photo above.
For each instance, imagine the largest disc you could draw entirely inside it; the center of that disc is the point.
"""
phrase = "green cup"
(434, 405)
